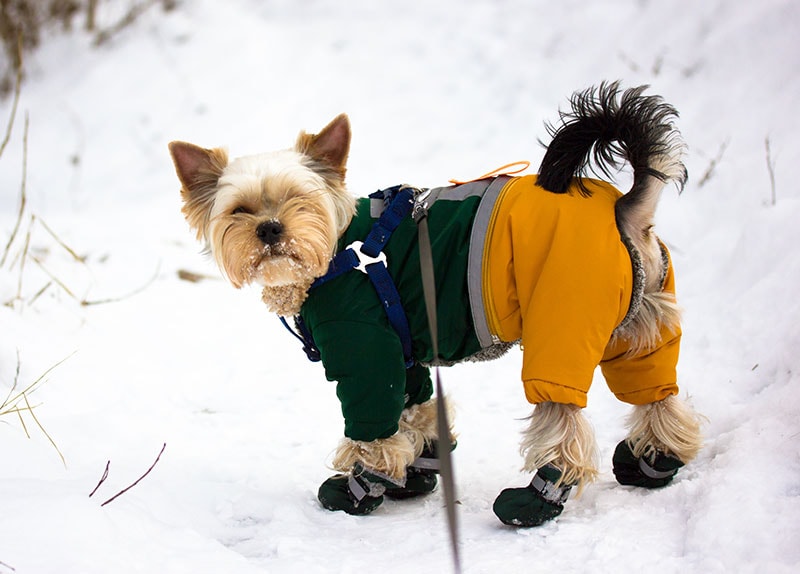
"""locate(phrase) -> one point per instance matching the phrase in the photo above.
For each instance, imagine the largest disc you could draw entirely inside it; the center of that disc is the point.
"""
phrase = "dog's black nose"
(269, 232)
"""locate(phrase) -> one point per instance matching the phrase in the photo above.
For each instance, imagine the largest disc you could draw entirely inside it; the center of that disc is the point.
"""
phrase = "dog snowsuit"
(513, 263)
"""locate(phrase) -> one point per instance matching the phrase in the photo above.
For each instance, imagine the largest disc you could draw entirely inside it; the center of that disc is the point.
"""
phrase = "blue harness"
(368, 257)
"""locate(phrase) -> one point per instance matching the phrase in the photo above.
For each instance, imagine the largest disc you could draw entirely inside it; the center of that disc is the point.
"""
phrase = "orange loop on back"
(512, 168)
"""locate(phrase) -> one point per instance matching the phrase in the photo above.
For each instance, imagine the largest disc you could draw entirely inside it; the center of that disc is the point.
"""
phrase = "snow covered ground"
(434, 90)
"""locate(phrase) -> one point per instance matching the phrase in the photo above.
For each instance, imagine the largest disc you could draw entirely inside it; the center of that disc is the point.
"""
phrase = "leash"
(420, 215)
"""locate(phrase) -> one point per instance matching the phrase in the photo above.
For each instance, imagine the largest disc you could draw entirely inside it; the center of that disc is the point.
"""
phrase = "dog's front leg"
(368, 470)
(402, 466)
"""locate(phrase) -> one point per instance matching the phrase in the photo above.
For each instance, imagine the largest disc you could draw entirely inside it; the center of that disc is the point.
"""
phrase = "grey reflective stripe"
(650, 472)
(477, 241)
(426, 463)
(550, 491)
(356, 489)
(488, 190)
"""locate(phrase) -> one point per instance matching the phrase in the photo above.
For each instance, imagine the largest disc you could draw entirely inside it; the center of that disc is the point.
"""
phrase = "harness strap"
(304, 336)
(368, 257)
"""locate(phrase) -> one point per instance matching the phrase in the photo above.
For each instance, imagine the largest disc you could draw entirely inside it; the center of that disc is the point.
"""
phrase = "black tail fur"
(602, 129)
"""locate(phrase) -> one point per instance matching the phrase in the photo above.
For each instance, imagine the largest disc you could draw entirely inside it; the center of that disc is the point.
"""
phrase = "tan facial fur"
(271, 219)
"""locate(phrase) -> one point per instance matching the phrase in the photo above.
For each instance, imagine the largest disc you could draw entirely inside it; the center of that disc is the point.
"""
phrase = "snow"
(434, 90)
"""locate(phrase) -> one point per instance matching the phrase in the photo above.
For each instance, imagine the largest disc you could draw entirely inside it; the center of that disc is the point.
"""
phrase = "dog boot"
(536, 503)
(632, 471)
(358, 493)
(421, 475)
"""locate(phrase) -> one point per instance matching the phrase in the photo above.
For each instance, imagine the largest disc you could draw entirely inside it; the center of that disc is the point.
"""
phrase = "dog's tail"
(601, 130)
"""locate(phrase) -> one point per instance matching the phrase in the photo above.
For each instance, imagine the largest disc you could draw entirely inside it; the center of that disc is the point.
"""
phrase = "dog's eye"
(239, 210)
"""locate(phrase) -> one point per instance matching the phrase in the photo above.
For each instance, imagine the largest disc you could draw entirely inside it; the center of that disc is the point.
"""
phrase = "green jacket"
(360, 349)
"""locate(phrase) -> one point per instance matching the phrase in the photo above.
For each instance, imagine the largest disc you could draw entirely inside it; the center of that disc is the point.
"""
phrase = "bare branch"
(87, 303)
(32, 387)
(55, 279)
(39, 293)
(713, 165)
(23, 195)
(124, 490)
(192, 277)
(41, 428)
(17, 90)
(14, 386)
(66, 247)
(102, 479)
(136, 10)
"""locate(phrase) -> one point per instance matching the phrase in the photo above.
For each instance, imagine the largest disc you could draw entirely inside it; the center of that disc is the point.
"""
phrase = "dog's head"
(273, 218)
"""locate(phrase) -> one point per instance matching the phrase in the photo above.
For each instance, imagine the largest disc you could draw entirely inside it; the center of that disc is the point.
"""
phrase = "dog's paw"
(535, 504)
(632, 471)
(418, 483)
(336, 493)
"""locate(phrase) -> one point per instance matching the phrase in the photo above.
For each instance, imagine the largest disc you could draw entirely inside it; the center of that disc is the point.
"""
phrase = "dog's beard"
(301, 254)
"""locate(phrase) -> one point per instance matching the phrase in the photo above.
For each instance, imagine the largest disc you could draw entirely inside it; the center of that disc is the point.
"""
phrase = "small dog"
(566, 265)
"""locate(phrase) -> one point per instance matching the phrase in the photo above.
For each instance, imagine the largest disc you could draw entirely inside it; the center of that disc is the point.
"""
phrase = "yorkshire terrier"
(562, 263)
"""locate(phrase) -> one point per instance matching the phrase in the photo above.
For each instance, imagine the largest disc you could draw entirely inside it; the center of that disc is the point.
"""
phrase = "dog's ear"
(331, 146)
(196, 166)
(198, 170)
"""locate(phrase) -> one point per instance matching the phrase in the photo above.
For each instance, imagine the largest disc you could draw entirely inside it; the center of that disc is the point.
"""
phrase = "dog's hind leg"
(663, 436)
(559, 446)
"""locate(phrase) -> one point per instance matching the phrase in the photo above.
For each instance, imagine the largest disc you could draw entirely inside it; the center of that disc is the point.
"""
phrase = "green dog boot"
(632, 471)
(335, 494)
(418, 483)
(421, 475)
(536, 503)
(357, 493)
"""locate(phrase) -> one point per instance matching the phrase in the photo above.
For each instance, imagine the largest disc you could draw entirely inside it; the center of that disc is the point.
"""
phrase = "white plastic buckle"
(363, 258)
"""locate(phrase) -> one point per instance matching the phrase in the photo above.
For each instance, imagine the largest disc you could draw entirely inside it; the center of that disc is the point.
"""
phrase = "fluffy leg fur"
(561, 435)
(418, 422)
(669, 426)
(389, 456)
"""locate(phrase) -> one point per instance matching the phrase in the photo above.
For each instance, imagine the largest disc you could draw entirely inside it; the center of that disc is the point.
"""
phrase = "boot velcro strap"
(366, 482)
(360, 488)
(650, 472)
(549, 491)
(426, 463)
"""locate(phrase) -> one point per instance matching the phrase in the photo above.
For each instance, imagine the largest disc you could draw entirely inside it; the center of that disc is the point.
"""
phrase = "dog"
(560, 262)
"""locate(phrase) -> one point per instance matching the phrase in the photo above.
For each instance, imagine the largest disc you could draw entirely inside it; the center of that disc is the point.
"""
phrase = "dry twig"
(713, 165)
(136, 10)
(23, 196)
(15, 102)
(12, 402)
(102, 479)
(87, 302)
(192, 277)
(138, 480)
